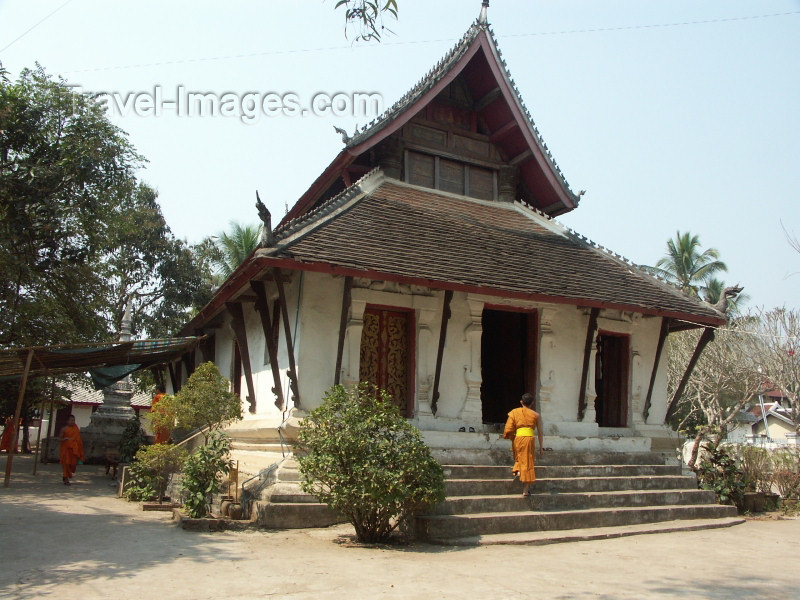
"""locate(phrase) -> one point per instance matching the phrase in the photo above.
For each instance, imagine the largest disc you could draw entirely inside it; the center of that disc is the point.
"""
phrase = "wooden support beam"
(176, 383)
(521, 157)
(188, 361)
(346, 299)
(288, 335)
(240, 333)
(707, 336)
(487, 99)
(448, 296)
(503, 131)
(262, 308)
(15, 423)
(587, 353)
(662, 337)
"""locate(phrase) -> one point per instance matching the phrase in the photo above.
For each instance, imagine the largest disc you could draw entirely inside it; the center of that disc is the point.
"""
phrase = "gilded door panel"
(385, 353)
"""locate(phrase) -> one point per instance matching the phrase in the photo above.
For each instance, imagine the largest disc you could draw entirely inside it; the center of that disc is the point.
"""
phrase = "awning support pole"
(15, 423)
(587, 353)
(288, 336)
(662, 337)
(346, 299)
(448, 296)
(707, 336)
(262, 308)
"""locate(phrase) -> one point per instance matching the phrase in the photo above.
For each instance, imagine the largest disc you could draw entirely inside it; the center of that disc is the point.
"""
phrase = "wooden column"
(287, 330)
(662, 337)
(240, 332)
(448, 296)
(587, 353)
(262, 308)
(176, 382)
(15, 423)
(707, 336)
(188, 362)
(346, 298)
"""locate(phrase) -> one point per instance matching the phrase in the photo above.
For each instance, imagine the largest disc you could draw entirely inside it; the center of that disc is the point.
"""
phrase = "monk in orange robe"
(519, 429)
(8, 435)
(71, 449)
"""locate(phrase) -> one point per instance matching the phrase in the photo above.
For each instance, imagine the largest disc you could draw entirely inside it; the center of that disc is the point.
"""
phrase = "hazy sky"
(673, 115)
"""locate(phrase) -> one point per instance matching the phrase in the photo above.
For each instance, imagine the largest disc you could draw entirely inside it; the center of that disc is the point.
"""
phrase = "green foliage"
(367, 462)
(202, 472)
(235, 246)
(719, 472)
(133, 438)
(367, 17)
(205, 400)
(164, 414)
(150, 471)
(687, 267)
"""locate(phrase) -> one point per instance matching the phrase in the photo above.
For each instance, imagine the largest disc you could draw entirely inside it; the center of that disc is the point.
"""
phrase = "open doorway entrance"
(611, 380)
(508, 361)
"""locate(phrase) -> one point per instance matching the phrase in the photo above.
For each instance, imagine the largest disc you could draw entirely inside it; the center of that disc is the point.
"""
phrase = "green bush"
(150, 471)
(366, 461)
(202, 472)
(786, 473)
(133, 438)
(755, 466)
(719, 472)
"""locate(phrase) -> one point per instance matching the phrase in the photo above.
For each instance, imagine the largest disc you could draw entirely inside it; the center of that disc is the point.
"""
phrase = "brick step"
(563, 458)
(559, 471)
(539, 538)
(572, 501)
(459, 526)
(496, 487)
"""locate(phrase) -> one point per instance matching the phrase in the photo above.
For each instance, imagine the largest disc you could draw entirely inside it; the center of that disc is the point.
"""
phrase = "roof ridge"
(286, 230)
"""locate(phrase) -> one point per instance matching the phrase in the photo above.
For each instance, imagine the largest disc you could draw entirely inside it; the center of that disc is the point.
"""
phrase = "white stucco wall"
(562, 331)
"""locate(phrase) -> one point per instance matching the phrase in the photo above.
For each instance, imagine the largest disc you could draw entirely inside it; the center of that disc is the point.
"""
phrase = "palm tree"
(236, 246)
(687, 267)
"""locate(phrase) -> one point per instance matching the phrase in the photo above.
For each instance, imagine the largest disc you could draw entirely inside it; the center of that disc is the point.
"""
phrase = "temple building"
(426, 259)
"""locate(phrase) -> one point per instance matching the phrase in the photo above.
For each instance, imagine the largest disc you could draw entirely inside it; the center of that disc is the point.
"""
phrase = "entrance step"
(471, 487)
(539, 538)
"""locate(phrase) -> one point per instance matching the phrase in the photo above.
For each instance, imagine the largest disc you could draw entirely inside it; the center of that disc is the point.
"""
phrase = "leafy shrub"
(151, 469)
(366, 461)
(719, 472)
(786, 473)
(755, 466)
(133, 438)
(202, 473)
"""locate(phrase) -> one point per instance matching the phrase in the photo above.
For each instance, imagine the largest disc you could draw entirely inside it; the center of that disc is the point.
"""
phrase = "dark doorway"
(508, 361)
(611, 380)
(387, 355)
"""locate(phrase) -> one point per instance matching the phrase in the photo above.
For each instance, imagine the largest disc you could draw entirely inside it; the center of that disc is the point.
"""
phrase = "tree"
(204, 401)
(366, 16)
(235, 246)
(365, 460)
(713, 294)
(778, 331)
(687, 267)
(725, 379)
(63, 168)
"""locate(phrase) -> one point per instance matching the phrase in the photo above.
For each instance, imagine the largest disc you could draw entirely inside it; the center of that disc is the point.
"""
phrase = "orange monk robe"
(8, 435)
(522, 446)
(71, 450)
(162, 433)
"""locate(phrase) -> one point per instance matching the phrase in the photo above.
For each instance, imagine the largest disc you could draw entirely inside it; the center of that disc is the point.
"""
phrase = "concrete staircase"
(577, 495)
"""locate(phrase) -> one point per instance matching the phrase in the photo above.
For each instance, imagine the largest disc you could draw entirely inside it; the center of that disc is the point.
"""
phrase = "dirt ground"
(82, 542)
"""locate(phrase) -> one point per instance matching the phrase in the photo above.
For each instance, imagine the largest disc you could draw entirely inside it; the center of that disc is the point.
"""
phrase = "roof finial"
(482, 17)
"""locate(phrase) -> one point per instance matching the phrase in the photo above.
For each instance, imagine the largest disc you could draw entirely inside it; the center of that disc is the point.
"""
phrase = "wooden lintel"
(346, 298)
(287, 330)
(587, 353)
(262, 308)
(503, 131)
(448, 296)
(662, 337)
(240, 333)
(487, 99)
(521, 157)
(705, 337)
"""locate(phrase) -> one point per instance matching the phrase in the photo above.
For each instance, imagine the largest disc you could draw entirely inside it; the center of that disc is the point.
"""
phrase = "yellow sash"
(525, 432)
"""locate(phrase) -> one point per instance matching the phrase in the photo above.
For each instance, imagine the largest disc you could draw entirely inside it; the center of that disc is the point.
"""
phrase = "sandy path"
(82, 542)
